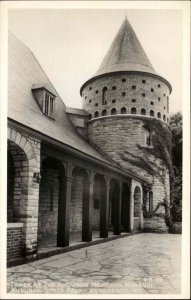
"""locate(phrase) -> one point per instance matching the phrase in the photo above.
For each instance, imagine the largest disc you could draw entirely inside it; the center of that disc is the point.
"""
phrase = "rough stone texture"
(26, 156)
(15, 247)
(93, 92)
(48, 202)
(76, 204)
(120, 138)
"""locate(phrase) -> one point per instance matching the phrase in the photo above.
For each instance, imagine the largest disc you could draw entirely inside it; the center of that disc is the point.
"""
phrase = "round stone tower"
(128, 107)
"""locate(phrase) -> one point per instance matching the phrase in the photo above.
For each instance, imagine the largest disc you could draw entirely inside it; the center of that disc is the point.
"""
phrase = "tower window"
(104, 112)
(123, 80)
(143, 81)
(113, 101)
(164, 107)
(158, 98)
(143, 94)
(123, 110)
(113, 111)
(145, 136)
(96, 115)
(133, 87)
(85, 97)
(90, 88)
(89, 116)
(96, 104)
(113, 87)
(143, 111)
(152, 114)
(90, 101)
(164, 118)
(133, 110)
(164, 95)
(96, 92)
(123, 94)
(159, 115)
(152, 90)
(133, 100)
(159, 85)
(104, 95)
(152, 103)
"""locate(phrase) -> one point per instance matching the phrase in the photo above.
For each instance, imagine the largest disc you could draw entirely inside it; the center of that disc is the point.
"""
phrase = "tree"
(176, 182)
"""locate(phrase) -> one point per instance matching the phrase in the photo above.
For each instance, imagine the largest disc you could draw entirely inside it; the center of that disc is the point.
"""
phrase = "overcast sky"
(71, 44)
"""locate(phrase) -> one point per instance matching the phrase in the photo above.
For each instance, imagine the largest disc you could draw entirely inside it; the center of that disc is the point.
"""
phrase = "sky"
(70, 44)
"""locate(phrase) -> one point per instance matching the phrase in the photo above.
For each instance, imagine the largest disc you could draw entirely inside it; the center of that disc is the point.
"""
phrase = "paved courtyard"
(138, 264)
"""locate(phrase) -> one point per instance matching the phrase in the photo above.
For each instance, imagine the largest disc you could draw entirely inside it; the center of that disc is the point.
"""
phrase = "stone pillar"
(132, 208)
(117, 209)
(65, 187)
(87, 208)
(104, 209)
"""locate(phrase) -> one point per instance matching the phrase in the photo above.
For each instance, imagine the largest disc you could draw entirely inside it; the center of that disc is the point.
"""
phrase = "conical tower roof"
(125, 53)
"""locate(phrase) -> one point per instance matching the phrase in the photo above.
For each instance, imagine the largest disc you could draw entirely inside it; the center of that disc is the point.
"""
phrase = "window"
(96, 92)
(164, 95)
(143, 81)
(113, 87)
(133, 87)
(143, 111)
(152, 103)
(152, 90)
(159, 85)
(89, 116)
(150, 201)
(145, 136)
(152, 114)
(164, 118)
(123, 94)
(113, 111)
(96, 115)
(167, 104)
(123, 110)
(104, 95)
(158, 98)
(96, 104)
(90, 88)
(159, 115)
(133, 100)
(164, 107)
(48, 105)
(123, 80)
(143, 94)
(104, 112)
(113, 101)
(133, 110)
(90, 101)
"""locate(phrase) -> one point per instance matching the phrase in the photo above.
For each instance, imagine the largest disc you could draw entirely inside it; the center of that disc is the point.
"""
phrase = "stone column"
(104, 209)
(117, 209)
(87, 208)
(65, 187)
(132, 207)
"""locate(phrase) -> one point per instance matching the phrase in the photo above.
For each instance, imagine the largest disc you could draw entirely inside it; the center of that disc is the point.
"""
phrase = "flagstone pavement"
(146, 263)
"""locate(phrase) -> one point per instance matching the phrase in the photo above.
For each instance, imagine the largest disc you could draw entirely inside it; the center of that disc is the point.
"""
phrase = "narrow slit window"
(104, 95)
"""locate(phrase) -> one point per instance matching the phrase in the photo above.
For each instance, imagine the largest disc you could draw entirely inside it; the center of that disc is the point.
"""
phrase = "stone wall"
(127, 91)
(15, 245)
(48, 202)
(76, 204)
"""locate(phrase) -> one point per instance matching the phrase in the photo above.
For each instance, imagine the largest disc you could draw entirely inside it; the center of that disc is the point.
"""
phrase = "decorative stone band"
(126, 116)
(15, 225)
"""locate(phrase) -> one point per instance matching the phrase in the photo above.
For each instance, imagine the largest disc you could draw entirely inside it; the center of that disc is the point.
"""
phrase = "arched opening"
(152, 114)
(96, 115)
(159, 115)
(113, 111)
(123, 110)
(50, 199)
(125, 208)
(137, 208)
(104, 95)
(104, 112)
(89, 116)
(143, 111)
(164, 118)
(133, 110)
(145, 136)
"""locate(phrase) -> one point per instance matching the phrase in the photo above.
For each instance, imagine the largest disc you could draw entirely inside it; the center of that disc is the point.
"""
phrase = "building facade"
(77, 173)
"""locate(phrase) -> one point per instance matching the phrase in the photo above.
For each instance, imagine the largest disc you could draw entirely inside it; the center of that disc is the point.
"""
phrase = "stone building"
(82, 175)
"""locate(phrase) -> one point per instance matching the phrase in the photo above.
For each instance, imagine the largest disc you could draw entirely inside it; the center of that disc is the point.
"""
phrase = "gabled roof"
(125, 53)
(24, 74)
